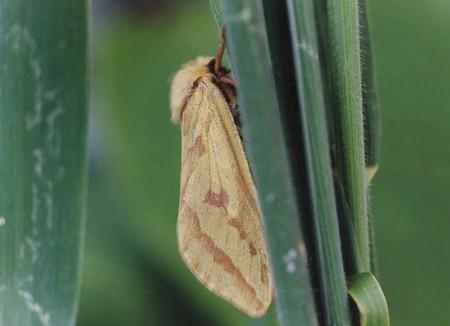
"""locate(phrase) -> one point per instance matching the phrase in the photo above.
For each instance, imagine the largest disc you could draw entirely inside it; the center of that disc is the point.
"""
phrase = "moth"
(219, 228)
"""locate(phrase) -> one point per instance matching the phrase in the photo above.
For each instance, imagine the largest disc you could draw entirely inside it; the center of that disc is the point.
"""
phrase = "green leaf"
(268, 156)
(368, 296)
(217, 12)
(311, 93)
(43, 118)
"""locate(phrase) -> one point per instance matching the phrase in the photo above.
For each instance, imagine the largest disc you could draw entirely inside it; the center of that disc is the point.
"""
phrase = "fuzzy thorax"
(183, 82)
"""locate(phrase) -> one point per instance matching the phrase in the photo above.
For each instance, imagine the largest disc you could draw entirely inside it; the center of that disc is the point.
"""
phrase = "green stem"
(347, 90)
(371, 105)
(372, 122)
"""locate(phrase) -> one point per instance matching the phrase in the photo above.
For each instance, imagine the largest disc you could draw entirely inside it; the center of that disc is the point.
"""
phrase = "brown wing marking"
(220, 257)
(218, 199)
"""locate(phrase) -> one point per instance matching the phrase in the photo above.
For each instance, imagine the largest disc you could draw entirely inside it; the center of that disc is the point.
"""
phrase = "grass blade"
(43, 115)
(311, 94)
(368, 296)
(268, 156)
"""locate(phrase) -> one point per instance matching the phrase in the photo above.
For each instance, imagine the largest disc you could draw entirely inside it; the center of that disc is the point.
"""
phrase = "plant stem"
(347, 90)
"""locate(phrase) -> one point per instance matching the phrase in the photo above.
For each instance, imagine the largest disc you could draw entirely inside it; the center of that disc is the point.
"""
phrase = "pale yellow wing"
(219, 228)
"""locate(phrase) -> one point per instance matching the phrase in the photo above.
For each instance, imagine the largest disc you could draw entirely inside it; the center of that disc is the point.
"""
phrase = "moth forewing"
(219, 227)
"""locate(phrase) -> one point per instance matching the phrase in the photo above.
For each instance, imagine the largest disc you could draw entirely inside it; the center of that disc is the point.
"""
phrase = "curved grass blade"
(368, 296)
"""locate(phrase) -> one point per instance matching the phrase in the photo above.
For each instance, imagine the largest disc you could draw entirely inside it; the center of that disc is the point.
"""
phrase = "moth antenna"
(220, 53)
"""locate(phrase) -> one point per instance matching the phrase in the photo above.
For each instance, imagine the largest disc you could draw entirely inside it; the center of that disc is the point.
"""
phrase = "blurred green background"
(133, 274)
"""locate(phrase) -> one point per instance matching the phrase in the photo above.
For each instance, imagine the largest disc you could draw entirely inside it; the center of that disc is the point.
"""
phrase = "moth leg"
(227, 80)
(218, 62)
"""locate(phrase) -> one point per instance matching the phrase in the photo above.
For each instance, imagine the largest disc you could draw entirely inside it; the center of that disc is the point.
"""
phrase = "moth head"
(183, 83)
